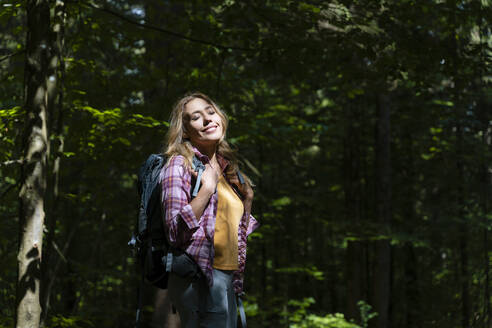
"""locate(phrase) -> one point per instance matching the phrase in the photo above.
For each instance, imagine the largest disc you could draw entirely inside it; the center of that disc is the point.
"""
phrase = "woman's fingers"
(244, 188)
(210, 177)
(234, 180)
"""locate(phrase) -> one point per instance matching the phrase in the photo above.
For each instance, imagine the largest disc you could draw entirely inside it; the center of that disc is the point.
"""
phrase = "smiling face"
(203, 124)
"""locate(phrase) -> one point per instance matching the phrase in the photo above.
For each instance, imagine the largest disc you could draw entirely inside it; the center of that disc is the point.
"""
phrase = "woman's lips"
(210, 129)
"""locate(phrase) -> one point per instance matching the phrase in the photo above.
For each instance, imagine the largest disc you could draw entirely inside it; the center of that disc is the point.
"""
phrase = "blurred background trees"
(365, 125)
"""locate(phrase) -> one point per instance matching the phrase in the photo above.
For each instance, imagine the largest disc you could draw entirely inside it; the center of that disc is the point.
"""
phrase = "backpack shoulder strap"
(149, 176)
(197, 166)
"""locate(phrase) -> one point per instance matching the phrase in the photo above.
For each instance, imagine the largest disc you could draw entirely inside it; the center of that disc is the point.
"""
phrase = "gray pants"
(201, 306)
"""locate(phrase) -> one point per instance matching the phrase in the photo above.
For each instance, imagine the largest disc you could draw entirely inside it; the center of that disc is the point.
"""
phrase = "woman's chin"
(212, 138)
(206, 142)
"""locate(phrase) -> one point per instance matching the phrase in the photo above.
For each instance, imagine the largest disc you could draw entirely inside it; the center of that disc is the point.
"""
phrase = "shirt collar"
(223, 162)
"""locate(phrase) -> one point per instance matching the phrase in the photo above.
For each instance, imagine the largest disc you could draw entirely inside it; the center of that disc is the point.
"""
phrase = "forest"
(365, 125)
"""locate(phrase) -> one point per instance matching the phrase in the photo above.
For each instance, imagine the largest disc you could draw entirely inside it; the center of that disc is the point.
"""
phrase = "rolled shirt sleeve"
(175, 182)
(247, 225)
(252, 225)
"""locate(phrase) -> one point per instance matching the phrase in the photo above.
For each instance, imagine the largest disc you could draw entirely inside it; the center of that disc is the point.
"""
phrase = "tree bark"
(35, 149)
(462, 230)
(356, 250)
(55, 109)
(382, 273)
(412, 303)
(486, 179)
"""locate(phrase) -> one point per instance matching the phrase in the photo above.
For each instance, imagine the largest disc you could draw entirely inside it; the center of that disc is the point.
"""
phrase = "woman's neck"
(209, 152)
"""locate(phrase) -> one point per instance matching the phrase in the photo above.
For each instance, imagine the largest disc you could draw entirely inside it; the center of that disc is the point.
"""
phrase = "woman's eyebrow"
(204, 108)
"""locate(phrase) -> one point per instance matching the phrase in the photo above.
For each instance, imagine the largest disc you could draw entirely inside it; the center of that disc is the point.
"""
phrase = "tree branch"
(9, 188)
(11, 55)
(162, 30)
(11, 162)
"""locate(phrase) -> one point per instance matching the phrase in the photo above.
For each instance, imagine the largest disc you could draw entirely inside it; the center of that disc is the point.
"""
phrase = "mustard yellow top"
(229, 212)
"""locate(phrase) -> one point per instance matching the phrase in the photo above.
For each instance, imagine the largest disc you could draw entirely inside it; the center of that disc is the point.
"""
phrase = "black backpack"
(155, 257)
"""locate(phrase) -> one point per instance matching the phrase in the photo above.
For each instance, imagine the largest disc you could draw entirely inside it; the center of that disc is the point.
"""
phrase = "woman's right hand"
(208, 183)
(210, 178)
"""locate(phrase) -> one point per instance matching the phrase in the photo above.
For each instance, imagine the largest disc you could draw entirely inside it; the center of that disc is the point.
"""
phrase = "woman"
(213, 226)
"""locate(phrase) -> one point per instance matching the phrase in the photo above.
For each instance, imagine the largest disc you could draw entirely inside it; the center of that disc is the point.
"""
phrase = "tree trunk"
(35, 149)
(55, 109)
(382, 270)
(159, 56)
(412, 311)
(486, 177)
(356, 252)
(463, 231)
(487, 182)
(412, 305)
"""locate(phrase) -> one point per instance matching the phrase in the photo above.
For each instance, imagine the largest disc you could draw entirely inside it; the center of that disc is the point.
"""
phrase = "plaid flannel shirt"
(196, 235)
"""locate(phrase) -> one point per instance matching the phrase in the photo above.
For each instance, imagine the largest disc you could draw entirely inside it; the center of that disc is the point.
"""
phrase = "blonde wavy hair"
(177, 144)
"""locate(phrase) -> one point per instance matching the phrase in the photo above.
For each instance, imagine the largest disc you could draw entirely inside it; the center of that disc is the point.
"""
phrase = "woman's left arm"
(245, 190)
(247, 194)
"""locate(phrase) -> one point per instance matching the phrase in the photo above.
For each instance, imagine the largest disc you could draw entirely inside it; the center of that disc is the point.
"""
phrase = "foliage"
(300, 318)
(302, 83)
(68, 322)
(365, 313)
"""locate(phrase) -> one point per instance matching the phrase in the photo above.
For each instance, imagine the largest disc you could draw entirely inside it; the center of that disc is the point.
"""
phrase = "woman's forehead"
(196, 104)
